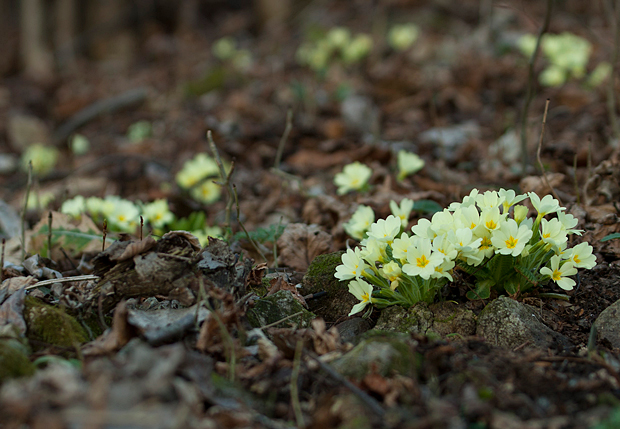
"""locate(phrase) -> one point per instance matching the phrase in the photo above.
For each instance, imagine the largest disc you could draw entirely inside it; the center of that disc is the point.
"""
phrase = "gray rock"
(383, 353)
(442, 319)
(359, 113)
(507, 323)
(608, 324)
(350, 329)
(24, 130)
(276, 307)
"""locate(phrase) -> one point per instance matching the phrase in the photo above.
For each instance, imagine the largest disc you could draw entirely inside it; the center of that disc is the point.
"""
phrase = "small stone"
(277, 307)
(507, 323)
(608, 324)
(350, 329)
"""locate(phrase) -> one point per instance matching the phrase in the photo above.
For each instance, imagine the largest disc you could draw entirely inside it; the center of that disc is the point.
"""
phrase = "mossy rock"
(51, 325)
(436, 320)
(337, 301)
(385, 353)
(14, 360)
(276, 307)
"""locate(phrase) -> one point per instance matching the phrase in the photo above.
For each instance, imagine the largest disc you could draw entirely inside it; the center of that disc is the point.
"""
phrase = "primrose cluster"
(487, 235)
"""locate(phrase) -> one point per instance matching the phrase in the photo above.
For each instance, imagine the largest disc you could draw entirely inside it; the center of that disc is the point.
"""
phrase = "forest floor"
(455, 98)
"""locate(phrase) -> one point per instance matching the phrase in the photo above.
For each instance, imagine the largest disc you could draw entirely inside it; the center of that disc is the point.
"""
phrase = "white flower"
(442, 222)
(352, 265)
(490, 219)
(385, 229)
(403, 211)
(338, 37)
(374, 250)
(510, 198)
(464, 240)
(360, 222)
(74, 207)
(553, 232)
(581, 256)
(392, 272)
(520, 213)
(559, 274)
(408, 163)
(423, 229)
(443, 245)
(353, 177)
(357, 49)
(363, 292)
(443, 270)
(207, 192)
(468, 217)
(157, 213)
(545, 206)
(422, 260)
(569, 222)
(510, 238)
(402, 36)
(197, 169)
(400, 246)
(43, 158)
(124, 217)
(489, 200)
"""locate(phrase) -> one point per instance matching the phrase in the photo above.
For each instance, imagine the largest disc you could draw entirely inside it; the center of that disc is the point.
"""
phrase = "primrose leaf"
(611, 236)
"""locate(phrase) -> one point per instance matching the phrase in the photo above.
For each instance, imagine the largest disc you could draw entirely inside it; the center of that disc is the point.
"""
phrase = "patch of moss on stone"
(14, 360)
(337, 301)
(51, 325)
(378, 352)
(276, 307)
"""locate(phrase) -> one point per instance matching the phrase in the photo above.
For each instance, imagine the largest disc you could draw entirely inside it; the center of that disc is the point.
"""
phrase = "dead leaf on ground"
(11, 312)
(299, 244)
(278, 284)
(134, 248)
(114, 339)
(538, 185)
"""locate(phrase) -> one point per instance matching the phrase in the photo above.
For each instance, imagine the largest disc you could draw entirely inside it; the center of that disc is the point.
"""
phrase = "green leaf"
(482, 291)
(611, 236)
(263, 235)
(427, 206)
(194, 222)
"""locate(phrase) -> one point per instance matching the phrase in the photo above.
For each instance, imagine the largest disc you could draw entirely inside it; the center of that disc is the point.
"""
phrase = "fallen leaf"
(299, 244)
(11, 311)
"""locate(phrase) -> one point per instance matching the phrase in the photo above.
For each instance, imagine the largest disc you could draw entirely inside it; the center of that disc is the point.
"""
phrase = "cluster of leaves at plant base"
(195, 221)
(427, 206)
(507, 273)
(73, 241)
(263, 235)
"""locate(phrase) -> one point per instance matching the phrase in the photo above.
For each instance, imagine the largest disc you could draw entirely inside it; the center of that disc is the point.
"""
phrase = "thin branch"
(226, 183)
(530, 85)
(28, 186)
(542, 167)
(299, 417)
(284, 138)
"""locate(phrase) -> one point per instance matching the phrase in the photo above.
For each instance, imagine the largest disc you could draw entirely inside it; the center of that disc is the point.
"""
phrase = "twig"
(2, 260)
(141, 226)
(371, 402)
(49, 235)
(299, 417)
(284, 138)
(226, 182)
(101, 107)
(614, 19)
(530, 85)
(63, 280)
(277, 322)
(542, 167)
(247, 234)
(105, 232)
(28, 185)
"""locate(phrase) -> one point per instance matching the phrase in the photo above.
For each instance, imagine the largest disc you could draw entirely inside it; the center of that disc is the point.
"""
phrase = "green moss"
(277, 307)
(322, 269)
(51, 325)
(14, 360)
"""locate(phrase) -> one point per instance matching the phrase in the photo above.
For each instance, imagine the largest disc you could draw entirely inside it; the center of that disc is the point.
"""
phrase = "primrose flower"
(464, 241)
(553, 232)
(443, 245)
(207, 192)
(442, 222)
(352, 265)
(491, 219)
(385, 229)
(157, 213)
(559, 274)
(424, 229)
(545, 206)
(408, 163)
(392, 272)
(224, 48)
(196, 169)
(403, 211)
(353, 177)
(374, 251)
(362, 291)
(468, 217)
(510, 238)
(569, 222)
(400, 246)
(43, 158)
(125, 216)
(489, 200)
(486, 249)
(402, 36)
(443, 270)
(360, 222)
(520, 213)
(422, 260)
(338, 37)
(581, 256)
(357, 49)
(79, 144)
(510, 198)
(74, 207)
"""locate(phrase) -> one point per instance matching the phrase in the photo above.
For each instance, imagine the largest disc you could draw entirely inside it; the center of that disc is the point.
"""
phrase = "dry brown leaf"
(11, 311)
(134, 248)
(16, 283)
(299, 244)
(278, 284)
(114, 339)
(538, 185)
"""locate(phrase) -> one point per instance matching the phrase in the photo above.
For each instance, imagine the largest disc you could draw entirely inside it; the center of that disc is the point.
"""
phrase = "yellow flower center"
(422, 261)
(491, 224)
(511, 243)
(557, 275)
